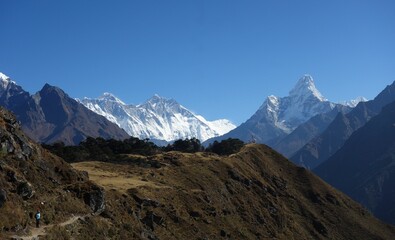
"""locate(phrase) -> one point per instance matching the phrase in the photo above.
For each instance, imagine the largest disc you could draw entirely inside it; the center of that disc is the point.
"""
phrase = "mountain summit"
(303, 102)
(305, 87)
(158, 118)
(4, 80)
(279, 116)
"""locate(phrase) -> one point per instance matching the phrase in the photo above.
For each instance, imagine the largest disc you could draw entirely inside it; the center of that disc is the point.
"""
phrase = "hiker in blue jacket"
(38, 217)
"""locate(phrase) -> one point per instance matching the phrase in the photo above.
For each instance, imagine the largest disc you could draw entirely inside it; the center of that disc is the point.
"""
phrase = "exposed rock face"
(95, 199)
(25, 190)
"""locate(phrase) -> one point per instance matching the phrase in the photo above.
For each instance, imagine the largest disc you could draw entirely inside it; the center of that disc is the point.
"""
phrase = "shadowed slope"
(364, 168)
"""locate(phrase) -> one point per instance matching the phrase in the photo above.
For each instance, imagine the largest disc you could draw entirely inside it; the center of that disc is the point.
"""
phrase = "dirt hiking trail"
(35, 233)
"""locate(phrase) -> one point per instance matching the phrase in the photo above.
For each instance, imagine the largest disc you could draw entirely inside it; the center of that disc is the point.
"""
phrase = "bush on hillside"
(226, 147)
(185, 145)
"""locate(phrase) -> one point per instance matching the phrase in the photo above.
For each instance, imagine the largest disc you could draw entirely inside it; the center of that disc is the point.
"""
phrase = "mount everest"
(158, 118)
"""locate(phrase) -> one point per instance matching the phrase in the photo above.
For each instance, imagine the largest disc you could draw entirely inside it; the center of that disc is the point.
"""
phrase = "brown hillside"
(255, 194)
(31, 178)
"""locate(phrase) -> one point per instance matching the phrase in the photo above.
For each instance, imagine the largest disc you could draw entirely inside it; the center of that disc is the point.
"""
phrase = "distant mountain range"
(51, 115)
(253, 194)
(320, 148)
(350, 145)
(364, 167)
(278, 117)
(158, 118)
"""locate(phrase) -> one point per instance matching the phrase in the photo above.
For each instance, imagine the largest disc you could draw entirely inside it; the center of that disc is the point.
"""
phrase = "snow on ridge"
(157, 118)
(5, 80)
(305, 87)
(303, 102)
(354, 102)
(3, 76)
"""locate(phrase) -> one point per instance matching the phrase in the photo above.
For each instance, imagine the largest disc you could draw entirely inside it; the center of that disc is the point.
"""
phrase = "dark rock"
(314, 197)
(107, 214)
(320, 228)
(235, 176)
(259, 219)
(279, 182)
(194, 214)
(6, 146)
(211, 211)
(144, 201)
(11, 177)
(95, 199)
(332, 199)
(25, 190)
(151, 219)
(3, 197)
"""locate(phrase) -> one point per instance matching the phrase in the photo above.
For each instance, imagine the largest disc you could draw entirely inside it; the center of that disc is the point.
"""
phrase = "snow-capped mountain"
(303, 102)
(4, 81)
(8, 87)
(158, 118)
(353, 103)
(279, 116)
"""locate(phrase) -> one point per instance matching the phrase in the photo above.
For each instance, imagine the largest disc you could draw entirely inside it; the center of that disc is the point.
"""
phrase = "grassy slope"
(255, 194)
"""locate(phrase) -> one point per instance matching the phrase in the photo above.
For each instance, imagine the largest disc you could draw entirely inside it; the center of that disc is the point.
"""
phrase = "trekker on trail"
(38, 217)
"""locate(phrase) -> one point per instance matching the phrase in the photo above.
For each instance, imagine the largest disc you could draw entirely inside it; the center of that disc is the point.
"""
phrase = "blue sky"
(219, 58)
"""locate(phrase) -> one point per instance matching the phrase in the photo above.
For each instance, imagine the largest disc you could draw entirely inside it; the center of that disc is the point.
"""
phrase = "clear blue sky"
(219, 58)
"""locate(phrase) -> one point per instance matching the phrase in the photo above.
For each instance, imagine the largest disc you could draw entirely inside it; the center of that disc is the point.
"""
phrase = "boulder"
(3, 197)
(25, 190)
(95, 199)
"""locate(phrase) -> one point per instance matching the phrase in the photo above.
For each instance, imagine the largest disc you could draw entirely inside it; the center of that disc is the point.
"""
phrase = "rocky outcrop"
(3, 197)
(31, 178)
(91, 194)
(25, 190)
(95, 199)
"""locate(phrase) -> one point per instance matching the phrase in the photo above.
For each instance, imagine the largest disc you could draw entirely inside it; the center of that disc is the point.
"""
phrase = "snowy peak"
(3, 77)
(157, 118)
(111, 98)
(305, 87)
(5, 81)
(284, 114)
(157, 100)
(353, 103)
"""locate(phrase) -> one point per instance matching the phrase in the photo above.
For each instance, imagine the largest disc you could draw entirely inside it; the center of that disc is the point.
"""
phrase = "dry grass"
(255, 194)
(112, 177)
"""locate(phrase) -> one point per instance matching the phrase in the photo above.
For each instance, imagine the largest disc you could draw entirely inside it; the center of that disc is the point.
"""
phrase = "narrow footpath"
(35, 233)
